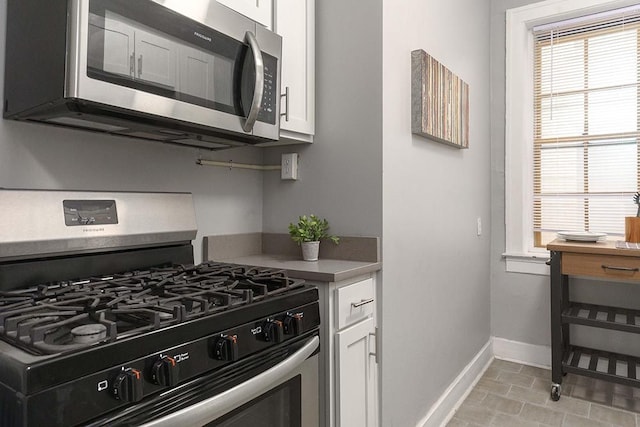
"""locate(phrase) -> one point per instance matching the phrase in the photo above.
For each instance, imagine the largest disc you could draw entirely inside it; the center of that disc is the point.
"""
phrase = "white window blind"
(586, 124)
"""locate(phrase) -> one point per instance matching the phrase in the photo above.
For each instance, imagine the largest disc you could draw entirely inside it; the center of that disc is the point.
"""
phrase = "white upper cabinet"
(118, 47)
(258, 10)
(133, 52)
(155, 59)
(294, 20)
(196, 73)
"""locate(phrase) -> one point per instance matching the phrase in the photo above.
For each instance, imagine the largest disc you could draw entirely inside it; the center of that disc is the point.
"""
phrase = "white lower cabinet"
(356, 375)
(348, 353)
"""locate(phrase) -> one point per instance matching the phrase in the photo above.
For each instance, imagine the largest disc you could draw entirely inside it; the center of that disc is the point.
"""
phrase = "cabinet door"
(196, 73)
(116, 52)
(295, 22)
(258, 10)
(155, 59)
(356, 375)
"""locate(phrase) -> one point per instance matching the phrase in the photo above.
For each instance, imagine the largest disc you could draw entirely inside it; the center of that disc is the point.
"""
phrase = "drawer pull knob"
(361, 303)
(610, 267)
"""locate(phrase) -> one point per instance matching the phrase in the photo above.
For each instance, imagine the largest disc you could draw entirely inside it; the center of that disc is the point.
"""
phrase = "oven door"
(192, 61)
(269, 391)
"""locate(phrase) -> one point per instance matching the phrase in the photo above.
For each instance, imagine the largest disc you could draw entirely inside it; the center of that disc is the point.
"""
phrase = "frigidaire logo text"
(88, 230)
(202, 36)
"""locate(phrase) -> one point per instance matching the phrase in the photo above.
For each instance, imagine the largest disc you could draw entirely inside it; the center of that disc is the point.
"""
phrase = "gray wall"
(436, 290)
(424, 200)
(341, 172)
(45, 157)
(520, 302)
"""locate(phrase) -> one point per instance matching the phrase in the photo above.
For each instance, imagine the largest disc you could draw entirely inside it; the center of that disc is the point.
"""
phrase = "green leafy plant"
(636, 200)
(310, 229)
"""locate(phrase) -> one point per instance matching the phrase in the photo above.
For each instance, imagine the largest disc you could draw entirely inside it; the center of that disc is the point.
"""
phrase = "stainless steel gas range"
(105, 320)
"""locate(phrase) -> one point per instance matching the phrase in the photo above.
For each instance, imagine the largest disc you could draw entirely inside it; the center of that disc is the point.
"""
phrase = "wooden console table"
(601, 261)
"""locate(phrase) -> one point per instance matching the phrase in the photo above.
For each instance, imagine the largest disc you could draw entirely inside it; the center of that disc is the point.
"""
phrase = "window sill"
(527, 263)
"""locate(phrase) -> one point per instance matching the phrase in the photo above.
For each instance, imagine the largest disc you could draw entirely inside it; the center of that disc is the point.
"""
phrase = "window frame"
(520, 253)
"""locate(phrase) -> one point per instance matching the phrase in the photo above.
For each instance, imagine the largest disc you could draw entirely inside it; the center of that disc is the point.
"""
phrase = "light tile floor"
(512, 395)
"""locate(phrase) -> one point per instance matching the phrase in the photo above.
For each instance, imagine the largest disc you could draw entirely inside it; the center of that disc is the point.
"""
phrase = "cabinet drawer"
(355, 302)
(605, 266)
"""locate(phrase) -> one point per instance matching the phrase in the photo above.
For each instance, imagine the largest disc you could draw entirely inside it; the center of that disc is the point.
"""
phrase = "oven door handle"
(210, 409)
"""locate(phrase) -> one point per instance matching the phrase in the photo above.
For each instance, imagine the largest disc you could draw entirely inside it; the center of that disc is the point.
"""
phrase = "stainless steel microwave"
(191, 72)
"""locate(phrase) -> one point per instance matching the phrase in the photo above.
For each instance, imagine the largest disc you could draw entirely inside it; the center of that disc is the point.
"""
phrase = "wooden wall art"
(439, 102)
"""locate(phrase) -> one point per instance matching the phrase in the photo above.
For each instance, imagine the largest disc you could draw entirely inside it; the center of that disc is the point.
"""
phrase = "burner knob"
(165, 371)
(128, 385)
(226, 348)
(293, 324)
(272, 330)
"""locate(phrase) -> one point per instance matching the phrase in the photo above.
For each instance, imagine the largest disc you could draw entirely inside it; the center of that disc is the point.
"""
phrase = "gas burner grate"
(70, 315)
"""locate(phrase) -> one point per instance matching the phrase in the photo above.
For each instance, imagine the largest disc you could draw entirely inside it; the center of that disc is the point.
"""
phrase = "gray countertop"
(353, 257)
(323, 270)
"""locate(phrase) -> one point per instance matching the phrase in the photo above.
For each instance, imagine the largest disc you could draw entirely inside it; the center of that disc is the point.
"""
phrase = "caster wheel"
(555, 392)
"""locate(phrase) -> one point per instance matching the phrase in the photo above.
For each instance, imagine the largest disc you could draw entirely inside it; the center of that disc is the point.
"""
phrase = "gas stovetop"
(115, 340)
(102, 310)
(206, 316)
(70, 315)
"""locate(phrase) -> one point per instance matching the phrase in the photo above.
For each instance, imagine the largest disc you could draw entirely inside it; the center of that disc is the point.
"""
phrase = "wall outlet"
(479, 226)
(289, 166)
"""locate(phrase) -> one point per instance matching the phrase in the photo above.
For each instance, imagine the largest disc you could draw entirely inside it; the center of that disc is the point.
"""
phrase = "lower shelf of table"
(619, 368)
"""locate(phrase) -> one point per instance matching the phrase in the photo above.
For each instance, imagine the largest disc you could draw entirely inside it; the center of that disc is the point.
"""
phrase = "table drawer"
(610, 267)
(355, 302)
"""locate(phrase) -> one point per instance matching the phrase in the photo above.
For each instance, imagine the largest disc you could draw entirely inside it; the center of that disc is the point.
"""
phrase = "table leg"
(557, 346)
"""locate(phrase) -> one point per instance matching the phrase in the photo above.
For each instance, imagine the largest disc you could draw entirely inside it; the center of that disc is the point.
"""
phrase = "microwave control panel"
(270, 96)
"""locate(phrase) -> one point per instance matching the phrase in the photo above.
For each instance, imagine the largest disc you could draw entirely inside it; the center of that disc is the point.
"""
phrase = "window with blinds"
(586, 126)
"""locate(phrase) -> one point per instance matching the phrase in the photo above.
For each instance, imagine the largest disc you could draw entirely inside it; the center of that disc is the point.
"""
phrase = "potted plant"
(308, 232)
(632, 223)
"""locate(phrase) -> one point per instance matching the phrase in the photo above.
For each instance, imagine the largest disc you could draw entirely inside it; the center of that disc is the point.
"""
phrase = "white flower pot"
(310, 251)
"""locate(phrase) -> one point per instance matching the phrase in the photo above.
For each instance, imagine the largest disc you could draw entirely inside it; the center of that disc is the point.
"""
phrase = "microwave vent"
(87, 124)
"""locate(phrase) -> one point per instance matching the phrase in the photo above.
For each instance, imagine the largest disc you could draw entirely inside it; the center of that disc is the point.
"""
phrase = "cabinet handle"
(140, 66)
(361, 303)
(374, 335)
(610, 267)
(285, 95)
(132, 65)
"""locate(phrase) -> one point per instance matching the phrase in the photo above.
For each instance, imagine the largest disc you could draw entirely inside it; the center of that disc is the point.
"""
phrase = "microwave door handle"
(214, 407)
(259, 87)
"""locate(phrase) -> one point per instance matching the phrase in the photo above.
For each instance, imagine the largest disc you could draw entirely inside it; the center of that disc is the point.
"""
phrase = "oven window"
(279, 407)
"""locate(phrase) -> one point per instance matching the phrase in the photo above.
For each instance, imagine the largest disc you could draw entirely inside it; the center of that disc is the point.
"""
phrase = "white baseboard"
(442, 411)
(516, 351)
(529, 354)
